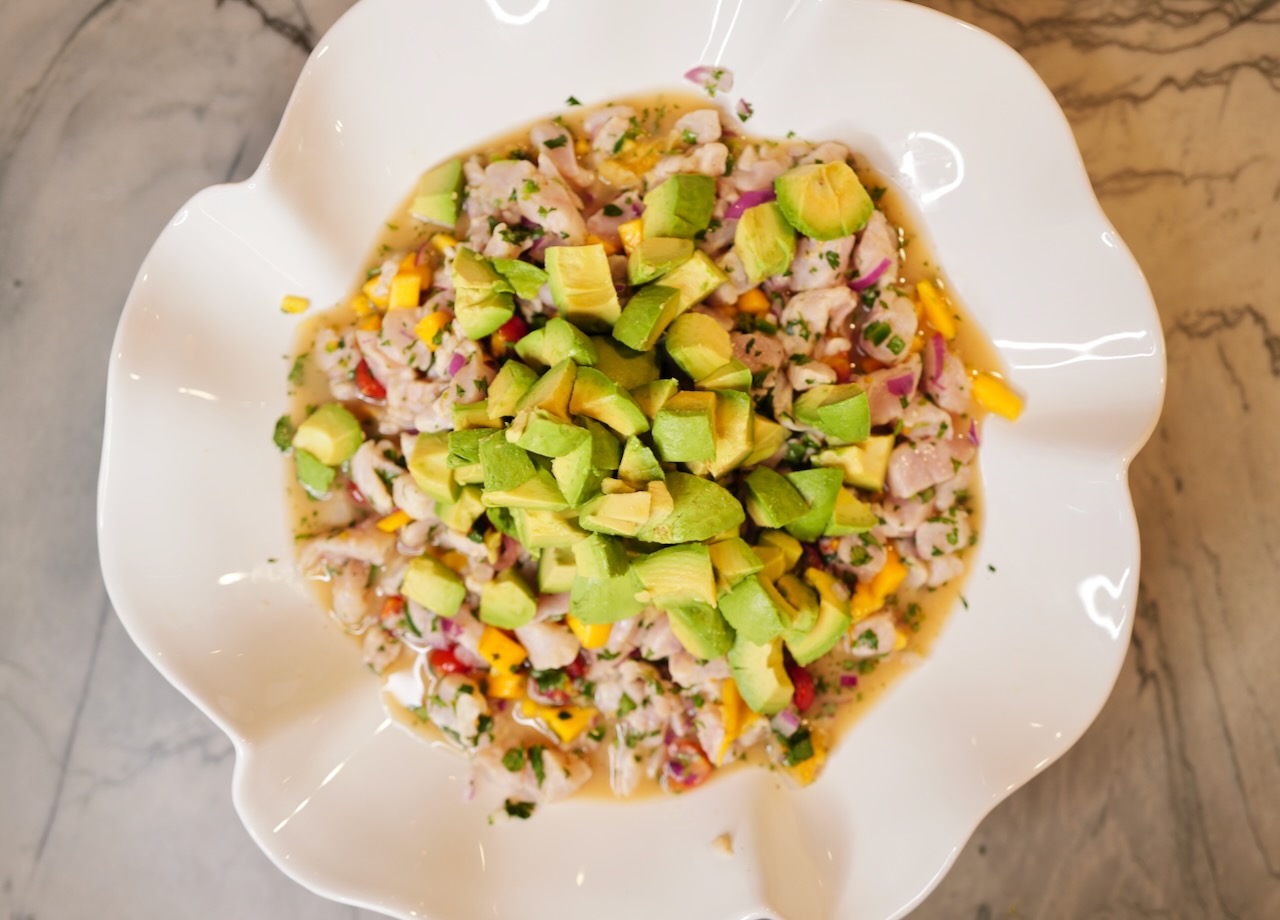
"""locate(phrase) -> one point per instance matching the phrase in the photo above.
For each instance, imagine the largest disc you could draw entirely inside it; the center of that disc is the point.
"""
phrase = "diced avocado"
(770, 437)
(556, 570)
(732, 375)
(850, 516)
(464, 447)
(789, 545)
(680, 207)
(734, 560)
(438, 194)
(540, 432)
(482, 298)
(524, 277)
(606, 452)
(694, 279)
(772, 501)
(764, 241)
(735, 431)
(646, 316)
(701, 629)
(626, 367)
(541, 529)
(552, 391)
(761, 675)
(773, 562)
(655, 256)
(434, 585)
(803, 601)
(576, 475)
(557, 340)
(621, 513)
(639, 465)
(677, 575)
(582, 285)
(819, 488)
(824, 200)
(661, 505)
(684, 430)
(652, 396)
(755, 609)
(469, 474)
(538, 493)
(503, 521)
(331, 434)
(511, 383)
(473, 415)
(598, 397)
(600, 556)
(698, 344)
(429, 466)
(506, 601)
(314, 476)
(606, 600)
(864, 465)
(833, 621)
(700, 509)
(838, 410)
(461, 516)
(506, 465)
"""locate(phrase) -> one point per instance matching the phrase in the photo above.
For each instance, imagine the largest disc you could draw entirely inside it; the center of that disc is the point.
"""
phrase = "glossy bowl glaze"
(197, 550)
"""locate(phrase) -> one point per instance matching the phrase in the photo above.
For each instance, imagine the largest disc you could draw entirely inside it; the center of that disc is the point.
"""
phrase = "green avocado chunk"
(511, 383)
(506, 601)
(803, 601)
(600, 556)
(698, 344)
(652, 396)
(331, 434)
(655, 257)
(540, 432)
(756, 610)
(557, 340)
(473, 415)
(824, 200)
(438, 194)
(639, 465)
(464, 448)
(506, 465)
(735, 432)
(849, 516)
(701, 629)
(620, 513)
(700, 509)
(789, 545)
(429, 466)
(576, 474)
(677, 575)
(582, 285)
(434, 585)
(732, 375)
(525, 278)
(833, 620)
(864, 465)
(761, 675)
(646, 316)
(694, 280)
(606, 450)
(556, 570)
(625, 366)
(733, 561)
(684, 430)
(679, 207)
(770, 437)
(538, 529)
(773, 562)
(606, 600)
(461, 515)
(838, 410)
(538, 493)
(551, 391)
(819, 488)
(764, 241)
(482, 298)
(772, 501)
(598, 397)
(314, 476)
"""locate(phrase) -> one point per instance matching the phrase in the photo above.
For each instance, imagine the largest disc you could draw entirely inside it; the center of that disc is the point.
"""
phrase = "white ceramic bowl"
(191, 505)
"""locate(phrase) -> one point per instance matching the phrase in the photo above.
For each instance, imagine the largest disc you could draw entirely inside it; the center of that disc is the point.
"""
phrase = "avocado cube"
(839, 410)
(434, 585)
(772, 501)
(733, 560)
(506, 601)
(314, 476)
(825, 201)
(849, 516)
(701, 629)
(600, 556)
(639, 465)
(482, 298)
(698, 344)
(598, 397)
(684, 430)
(621, 513)
(732, 375)
(699, 509)
(770, 438)
(833, 621)
(552, 390)
(505, 465)
(461, 515)
(773, 562)
(556, 570)
(538, 529)
(764, 241)
(473, 415)
(538, 493)
(864, 465)
(554, 342)
(625, 366)
(582, 285)
(819, 488)
(679, 207)
(331, 434)
(429, 466)
(438, 194)
(646, 316)
(606, 600)
(760, 673)
(756, 610)
(606, 452)
(576, 475)
(677, 575)
(464, 446)
(469, 474)
(511, 383)
(693, 281)
(503, 521)
(525, 278)
(652, 396)
(655, 256)
(540, 432)
(789, 546)
(735, 432)
(803, 601)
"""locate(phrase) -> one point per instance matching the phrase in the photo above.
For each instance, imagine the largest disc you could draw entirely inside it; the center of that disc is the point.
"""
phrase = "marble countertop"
(114, 799)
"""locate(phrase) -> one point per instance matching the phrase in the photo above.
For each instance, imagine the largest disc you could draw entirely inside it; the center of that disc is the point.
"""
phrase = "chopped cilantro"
(297, 372)
(612, 210)
(521, 810)
(513, 760)
(556, 141)
(283, 435)
(535, 761)
(877, 332)
(572, 101)
(625, 705)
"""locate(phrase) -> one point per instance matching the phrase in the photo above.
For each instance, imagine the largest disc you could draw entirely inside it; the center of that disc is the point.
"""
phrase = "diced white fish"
(410, 499)
(349, 589)
(458, 709)
(944, 498)
(898, 314)
(944, 569)
(365, 543)
(703, 160)
(701, 126)
(560, 153)
(820, 264)
(865, 560)
(946, 381)
(943, 535)
(371, 470)
(658, 641)
(809, 375)
(338, 357)
(550, 645)
(922, 421)
(806, 316)
(885, 405)
(561, 774)
(690, 672)
(877, 243)
(915, 467)
(381, 648)
(873, 636)
(902, 516)
(826, 152)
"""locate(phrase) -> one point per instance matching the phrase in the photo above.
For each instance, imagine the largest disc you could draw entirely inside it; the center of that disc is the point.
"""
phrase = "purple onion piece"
(939, 346)
(787, 722)
(973, 433)
(743, 110)
(848, 680)
(450, 628)
(712, 79)
(457, 363)
(749, 200)
(861, 284)
(900, 385)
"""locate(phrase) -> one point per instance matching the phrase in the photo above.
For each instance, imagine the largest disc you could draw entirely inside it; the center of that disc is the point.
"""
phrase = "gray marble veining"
(114, 799)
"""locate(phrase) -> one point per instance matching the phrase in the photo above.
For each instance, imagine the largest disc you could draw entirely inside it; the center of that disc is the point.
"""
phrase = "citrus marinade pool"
(529, 709)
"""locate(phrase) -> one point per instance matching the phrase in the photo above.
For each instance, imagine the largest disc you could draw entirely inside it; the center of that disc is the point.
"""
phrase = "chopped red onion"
(787, 721)
(973, 433)
(712, 79)
(744, 110)
(508, 555)
(900, 385)
(939, 346)
(457, 363)
(861, 284)
(848, 680)
(450, 628)
(749, 200)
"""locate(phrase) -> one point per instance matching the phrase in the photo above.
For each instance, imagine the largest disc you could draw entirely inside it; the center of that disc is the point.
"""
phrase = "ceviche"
(641, 446)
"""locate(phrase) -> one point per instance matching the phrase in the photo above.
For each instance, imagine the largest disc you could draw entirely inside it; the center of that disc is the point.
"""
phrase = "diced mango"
(936, 309)
(361, 305)
(609, 248)
(291, 303)
(582, 146)
(429, 328)
(503, 685)
(394, 521)
(503, 653)
(456, 561)
(899, 640)
(632, 234)
(493, 545)
(869, 596)
(994, 395)
(443, 241)
(406, 289)
(591, 635)
(735, 714)
(377, 292)
(754, 301)
(568, 722)
(371, 323)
